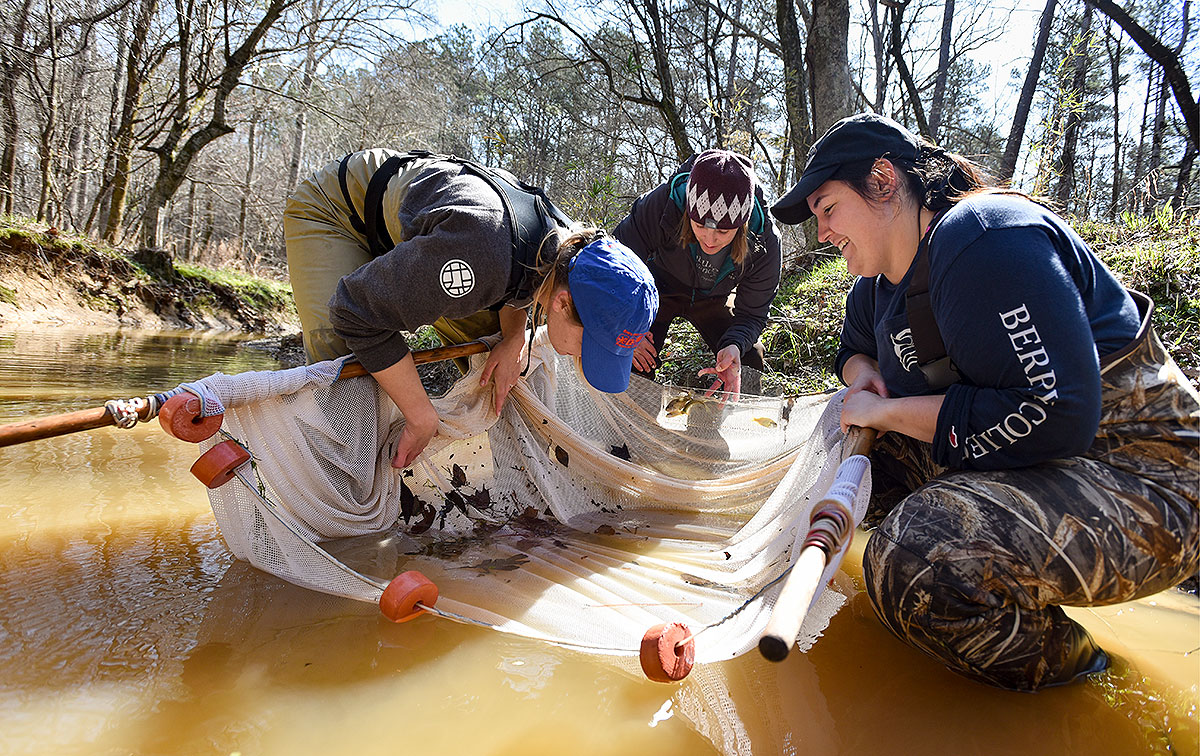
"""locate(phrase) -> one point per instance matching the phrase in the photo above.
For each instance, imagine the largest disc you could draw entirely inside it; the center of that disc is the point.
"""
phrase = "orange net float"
(180, 417)
(664, 657)
(399, 600)
(217, 466)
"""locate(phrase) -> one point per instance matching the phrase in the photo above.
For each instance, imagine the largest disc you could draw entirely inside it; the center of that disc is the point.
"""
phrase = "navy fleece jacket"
(1026, 311)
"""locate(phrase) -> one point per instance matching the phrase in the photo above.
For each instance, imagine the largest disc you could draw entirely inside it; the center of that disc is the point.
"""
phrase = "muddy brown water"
(126, 627)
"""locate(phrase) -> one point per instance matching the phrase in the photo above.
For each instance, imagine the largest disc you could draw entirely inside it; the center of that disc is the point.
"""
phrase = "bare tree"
(1163, 56)
(1074, 105)
(1016, 136)
(176, 152)
(943, 71)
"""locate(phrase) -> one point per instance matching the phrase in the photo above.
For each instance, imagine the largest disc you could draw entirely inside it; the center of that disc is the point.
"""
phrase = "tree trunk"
(943, 72)
(829, 63)
(247, 186)
(12, 63)
(882, 70)
(897, 49)
(1076, 101)
(794, 89)
(1114, 65)
(46, 143)
(1016, 135)
(307, 78)
(1183, 178)
(123, 150)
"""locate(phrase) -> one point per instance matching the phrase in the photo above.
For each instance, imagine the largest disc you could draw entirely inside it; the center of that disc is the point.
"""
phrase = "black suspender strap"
(378, 236)
(939, 371)
(355, 220)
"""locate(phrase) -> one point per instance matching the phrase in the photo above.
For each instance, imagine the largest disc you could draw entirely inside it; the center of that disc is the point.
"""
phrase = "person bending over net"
(703, 233)
(1041, 445)
(383, 242)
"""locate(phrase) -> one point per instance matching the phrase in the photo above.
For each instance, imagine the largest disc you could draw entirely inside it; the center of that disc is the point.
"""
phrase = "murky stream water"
(127, 628)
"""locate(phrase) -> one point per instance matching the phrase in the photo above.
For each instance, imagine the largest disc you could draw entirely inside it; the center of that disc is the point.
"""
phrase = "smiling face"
(712, 240)
(857, 227)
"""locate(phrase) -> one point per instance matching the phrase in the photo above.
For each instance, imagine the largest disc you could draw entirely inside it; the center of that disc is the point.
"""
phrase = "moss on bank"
(105, 279)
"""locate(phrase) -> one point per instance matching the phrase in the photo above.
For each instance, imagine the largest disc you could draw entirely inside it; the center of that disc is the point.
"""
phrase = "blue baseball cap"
(617, 300)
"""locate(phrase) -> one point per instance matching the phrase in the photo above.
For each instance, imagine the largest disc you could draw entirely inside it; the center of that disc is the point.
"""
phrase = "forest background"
(177, 128)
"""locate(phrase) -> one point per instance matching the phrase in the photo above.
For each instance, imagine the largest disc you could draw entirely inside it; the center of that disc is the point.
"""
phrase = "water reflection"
(127, 627)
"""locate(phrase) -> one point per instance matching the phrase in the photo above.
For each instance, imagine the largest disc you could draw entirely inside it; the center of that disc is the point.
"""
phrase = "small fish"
(683, 404)
(766, 422)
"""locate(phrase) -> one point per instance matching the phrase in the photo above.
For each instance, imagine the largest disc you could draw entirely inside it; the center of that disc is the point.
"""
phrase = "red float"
(664, 658)
(180, 417)
(216, 466)
(399, 600)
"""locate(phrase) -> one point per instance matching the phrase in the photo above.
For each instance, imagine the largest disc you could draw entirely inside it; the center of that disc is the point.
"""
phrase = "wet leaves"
(506, 564)
(620, 452)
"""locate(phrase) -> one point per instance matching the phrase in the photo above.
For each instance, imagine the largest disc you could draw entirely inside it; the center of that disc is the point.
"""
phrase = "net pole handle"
(99, 417)
(423, 356)
(802, 583)
(792, 605)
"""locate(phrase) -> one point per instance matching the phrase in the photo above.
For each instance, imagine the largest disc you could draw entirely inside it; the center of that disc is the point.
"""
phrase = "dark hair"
(738, 248)
(938, 179)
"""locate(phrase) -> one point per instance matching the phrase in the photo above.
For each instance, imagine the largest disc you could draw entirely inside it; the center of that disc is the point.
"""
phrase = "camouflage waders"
(971, 567)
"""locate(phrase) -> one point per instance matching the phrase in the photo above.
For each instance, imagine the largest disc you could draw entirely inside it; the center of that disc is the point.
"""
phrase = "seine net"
(576, 517)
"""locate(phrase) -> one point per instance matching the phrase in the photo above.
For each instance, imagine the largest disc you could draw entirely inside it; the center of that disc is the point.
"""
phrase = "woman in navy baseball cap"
(1042, 445)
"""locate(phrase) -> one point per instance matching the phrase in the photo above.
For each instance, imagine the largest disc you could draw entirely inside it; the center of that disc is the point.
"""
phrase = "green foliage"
(259, 292)
(7, 295)
(801, 337)
(1158, 255)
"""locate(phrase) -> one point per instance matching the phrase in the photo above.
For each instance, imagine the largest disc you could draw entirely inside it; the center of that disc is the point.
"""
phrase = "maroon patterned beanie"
(720, 190)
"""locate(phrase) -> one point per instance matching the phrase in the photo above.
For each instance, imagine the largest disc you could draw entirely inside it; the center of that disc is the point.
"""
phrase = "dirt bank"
(50, 279)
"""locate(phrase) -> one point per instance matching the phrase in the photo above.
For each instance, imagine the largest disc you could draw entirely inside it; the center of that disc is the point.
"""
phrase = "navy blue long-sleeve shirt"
(1025, 310)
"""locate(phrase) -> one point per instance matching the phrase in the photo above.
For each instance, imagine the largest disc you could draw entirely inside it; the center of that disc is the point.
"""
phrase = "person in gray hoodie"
(705, 234)
(459, 264)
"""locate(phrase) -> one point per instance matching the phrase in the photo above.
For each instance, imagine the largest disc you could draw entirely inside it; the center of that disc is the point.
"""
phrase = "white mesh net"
(577, 517)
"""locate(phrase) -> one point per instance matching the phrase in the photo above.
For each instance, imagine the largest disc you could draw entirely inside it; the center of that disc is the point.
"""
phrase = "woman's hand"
(645, 356)
(419, 428)
(401, 382)
(503, 368)
(862, 374)
(728, 371)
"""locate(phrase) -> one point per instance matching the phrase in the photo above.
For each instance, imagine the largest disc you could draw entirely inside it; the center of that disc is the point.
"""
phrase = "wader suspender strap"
(939, 371)
(379, 241)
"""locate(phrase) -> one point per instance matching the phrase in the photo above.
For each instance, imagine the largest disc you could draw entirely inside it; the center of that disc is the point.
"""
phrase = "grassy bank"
(48, 276)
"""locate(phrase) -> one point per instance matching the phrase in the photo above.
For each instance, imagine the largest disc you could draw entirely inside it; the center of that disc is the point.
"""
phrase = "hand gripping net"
(577, 517)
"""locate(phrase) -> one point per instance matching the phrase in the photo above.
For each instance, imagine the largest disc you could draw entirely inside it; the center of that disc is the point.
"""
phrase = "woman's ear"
(883, 176)
(561, 301)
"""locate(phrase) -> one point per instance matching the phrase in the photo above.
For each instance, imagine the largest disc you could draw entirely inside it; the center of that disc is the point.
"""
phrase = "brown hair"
(738, 248)
(555, 271)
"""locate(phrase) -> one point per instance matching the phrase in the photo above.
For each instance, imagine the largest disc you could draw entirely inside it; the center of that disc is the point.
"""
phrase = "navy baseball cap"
(617, 300)
(865, 136)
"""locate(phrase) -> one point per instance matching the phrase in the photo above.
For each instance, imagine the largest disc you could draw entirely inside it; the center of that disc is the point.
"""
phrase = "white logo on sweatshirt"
(457, 278)
(902, 343)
